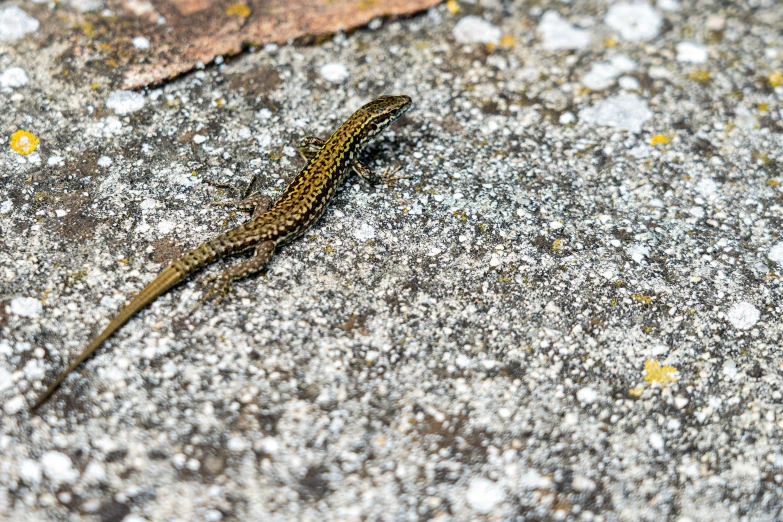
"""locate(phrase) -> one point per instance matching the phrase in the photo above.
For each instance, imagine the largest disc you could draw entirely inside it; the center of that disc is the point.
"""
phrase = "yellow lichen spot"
(656, 373)
(700, 75)
(87, 28)
(557, 246)
(111, 63)
(636, 392)
(507, 41)
(775, 79)
(94, 86)
(491, 47)
(24, 142)
(328, 250)
(452, 6)
(238, 10)
(763, 106)
(610, 42)
(460, 215)
(772, 183)
(367, 4)
(659, 139)
(614, 301)
(219, 102)
(646, 299)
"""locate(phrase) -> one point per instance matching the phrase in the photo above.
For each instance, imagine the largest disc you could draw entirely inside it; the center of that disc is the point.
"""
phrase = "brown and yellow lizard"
(293, 212)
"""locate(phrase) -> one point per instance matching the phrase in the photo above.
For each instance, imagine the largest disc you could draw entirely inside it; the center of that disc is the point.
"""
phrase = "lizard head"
(382, 112)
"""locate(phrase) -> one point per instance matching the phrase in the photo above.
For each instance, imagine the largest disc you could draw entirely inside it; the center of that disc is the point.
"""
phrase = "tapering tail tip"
(169, 277)
(43, 397)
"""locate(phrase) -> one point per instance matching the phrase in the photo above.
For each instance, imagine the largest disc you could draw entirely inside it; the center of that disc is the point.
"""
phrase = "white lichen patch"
(26, 307)
(689, 52)
(365, 232)
(106, 127)
(472, 29)
(30, 471)
(125, 102)
(707, 187)
(15, 23)
(140, 42)
(165, 226)
(634, 21)
(624, 111)
(586, 395)
(638, 253)
(776, 253)
(558, 34)
(13, 78)
(334, 72)
(58, 467)
(484, 495)
(603, 74)
(86, 6)
(743, 315)
(55, 160)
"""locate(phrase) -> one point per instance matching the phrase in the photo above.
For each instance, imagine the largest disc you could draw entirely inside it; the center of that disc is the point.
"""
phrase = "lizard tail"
(169, 277)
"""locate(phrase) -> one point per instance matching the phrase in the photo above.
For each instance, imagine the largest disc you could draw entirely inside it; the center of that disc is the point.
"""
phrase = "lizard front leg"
(310, 145)
(255, 202)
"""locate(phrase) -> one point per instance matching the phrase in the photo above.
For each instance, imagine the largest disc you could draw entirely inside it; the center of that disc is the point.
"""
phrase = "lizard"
(294, 211)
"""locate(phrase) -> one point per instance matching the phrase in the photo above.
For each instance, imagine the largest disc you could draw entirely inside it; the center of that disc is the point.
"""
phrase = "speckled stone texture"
(569, 309)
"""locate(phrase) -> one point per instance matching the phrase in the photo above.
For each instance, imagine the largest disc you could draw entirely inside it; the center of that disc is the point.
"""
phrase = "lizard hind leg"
(224, 279)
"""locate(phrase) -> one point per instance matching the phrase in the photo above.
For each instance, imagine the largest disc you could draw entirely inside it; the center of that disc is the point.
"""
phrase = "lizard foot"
(219, 290)
(243, 193)
(388, 176)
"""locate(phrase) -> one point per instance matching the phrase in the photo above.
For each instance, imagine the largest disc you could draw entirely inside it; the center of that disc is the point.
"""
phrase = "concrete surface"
(570, 310)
